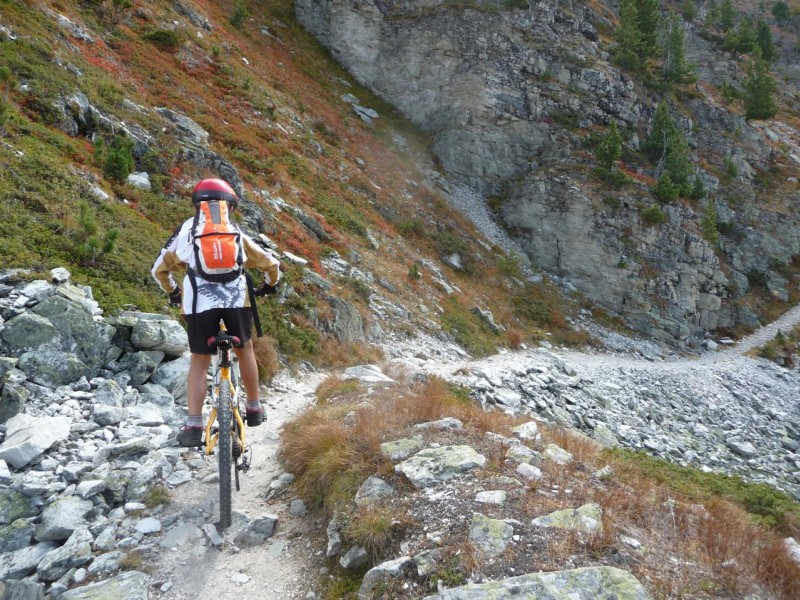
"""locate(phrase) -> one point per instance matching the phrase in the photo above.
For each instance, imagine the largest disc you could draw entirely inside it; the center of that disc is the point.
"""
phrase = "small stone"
(297, 508)
(240, 578)
(491, 497)
(148, 526)
(529, 472)
(354, 558)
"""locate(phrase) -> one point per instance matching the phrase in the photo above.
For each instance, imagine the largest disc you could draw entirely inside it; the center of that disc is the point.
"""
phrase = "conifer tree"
(647, 15)
(765, 42)
(664, 190)
(662, 129)
(759, 89)
(609, 151)
(674, 67)
(727, 15)
(780, 10)
(698, 189)
(689, 10)
(746, 36)
(627, 53)
(677, 163)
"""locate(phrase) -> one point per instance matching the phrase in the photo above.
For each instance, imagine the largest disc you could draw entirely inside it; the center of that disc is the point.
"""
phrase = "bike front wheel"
(224, 454)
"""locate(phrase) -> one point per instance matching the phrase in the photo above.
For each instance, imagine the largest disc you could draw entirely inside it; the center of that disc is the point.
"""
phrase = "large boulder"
(13, 506)
(126, 586)
(20, 563)
(27, 332)
(29, 437)
(589, 583)
(61, 518)
(53, 367)
(76, 552)
(79, 332)
(172, 376)
(157, 332)
(436, 465)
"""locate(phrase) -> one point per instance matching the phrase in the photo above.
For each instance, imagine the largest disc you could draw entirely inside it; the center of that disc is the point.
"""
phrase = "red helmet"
(214, 189)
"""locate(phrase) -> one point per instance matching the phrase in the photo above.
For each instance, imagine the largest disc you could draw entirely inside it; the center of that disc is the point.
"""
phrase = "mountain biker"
(205, 302)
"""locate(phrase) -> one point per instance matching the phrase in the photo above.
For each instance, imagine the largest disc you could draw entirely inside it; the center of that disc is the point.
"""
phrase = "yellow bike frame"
(224, 379)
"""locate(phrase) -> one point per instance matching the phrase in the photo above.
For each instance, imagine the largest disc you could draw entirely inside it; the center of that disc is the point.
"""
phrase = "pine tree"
(765, 42)
(609, 151)
(662, 129)
(698, 189)
(759, 88)
(709, 224)
(780, 10)
(627, 52)
(664, 190)
(727, 15)
(712, 14)
(746, 36)
(689, 10)
(647, 15)
(677, 163)
(674, 68)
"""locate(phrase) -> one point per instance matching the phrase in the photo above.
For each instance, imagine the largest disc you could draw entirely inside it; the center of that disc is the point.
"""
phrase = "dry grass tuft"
(266, 357)
(336, 354)
(375, 528)
(336, 388)
(514, 338)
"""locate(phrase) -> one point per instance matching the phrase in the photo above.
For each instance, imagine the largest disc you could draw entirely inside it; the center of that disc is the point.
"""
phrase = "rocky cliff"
(510, 98)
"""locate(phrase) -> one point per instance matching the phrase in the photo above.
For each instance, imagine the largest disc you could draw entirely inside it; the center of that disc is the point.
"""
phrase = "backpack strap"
(252, 293)
(193, 282)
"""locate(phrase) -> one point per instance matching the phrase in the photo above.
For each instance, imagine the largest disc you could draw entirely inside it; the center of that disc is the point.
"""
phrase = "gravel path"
(279, 569)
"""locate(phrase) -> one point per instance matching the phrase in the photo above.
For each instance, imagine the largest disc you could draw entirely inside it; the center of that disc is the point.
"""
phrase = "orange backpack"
(218, 253)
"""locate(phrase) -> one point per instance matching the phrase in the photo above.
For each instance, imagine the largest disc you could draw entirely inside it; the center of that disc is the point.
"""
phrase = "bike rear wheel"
(224, 454)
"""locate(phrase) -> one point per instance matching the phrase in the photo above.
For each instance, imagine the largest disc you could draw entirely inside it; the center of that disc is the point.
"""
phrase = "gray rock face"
(61, 518)
(436, 465)
(500, 91)
(76, 552)
(156, 332)
(588, 583)
(20, 563)
(587, 518)
(21, 590)
(15, 536)
(490, 536)
(14, 505)
(29, 437)
(126, 586)
(381, 574)
(374, 488)
(257, 531)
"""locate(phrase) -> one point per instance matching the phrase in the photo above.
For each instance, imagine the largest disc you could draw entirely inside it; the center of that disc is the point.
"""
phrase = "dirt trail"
(279, 569)
(284, 567)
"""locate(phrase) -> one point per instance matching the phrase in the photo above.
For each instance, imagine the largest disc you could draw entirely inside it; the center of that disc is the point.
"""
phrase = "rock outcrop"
(502, 93)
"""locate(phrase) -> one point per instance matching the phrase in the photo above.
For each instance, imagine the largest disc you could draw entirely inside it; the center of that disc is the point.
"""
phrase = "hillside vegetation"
(82, 82)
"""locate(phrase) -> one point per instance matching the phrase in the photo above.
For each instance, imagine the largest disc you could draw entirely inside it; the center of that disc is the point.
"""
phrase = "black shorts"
(238, 321)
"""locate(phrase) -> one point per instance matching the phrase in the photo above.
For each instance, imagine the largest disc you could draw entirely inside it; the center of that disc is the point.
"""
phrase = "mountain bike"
(225, 429)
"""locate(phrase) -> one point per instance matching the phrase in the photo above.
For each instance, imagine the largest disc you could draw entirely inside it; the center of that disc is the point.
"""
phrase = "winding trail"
(288, 565)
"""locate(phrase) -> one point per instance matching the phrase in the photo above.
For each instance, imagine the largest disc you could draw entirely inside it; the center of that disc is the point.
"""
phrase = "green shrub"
(772, 507)
(709, 224)
(117, 159)
(413, 272)
(163, 39)
(653, 215)
(664, 190)
(470, 331)
(239, 14)
(515, 4)
(757, 279)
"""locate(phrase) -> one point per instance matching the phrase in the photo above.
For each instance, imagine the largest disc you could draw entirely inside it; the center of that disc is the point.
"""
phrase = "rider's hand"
(175, 297)
(266, 289)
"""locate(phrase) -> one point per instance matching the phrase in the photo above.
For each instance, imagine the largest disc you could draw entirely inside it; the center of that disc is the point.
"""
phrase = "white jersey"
(178, 254)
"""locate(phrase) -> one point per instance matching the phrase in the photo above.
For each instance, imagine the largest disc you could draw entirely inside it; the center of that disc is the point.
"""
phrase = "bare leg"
(248, 369)
(197, 385)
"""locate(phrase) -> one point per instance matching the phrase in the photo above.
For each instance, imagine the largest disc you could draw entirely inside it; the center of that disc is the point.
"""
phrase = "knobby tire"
(224, 417)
